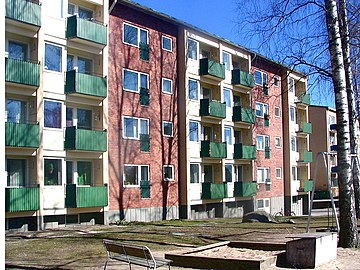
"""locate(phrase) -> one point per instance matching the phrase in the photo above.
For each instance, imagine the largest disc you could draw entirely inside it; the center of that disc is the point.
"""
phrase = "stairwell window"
(134, 35)
(194, 173)
(52, 114)
(193, 90)
(227, 97)
(192, 47)
(194, 131)
(227, 60)
(53, 57)
(52, 172)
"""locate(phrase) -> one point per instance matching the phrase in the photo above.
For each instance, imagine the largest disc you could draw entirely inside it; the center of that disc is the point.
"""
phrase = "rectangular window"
(293, 143)
(52, 114)
(166, 43)
(228, 135)
(261, 78)
(133, 81)
(69, 117)
(278, 142)
(260, 203)
(15, 111)
(261, 109)
(277, 111)
(168, 129)
(69, 172)
(133, 127)
(167, 86)
(262, 141)
(16, 172)
(52, 173)
(227, 97)
(84, 171)
(292, 114)
(278, 173)
(294, 173)
(84, 118)
(193, 90)
(239, 173)
(228, 172)
(192, 47)
(17, 50)
(134, 35)
(84, 65)
(168, 173)
(262, 175)
(276, 81)
(194, 173)
(53, 57)
(133, 174)
(194, 131)
(291, 84)
(208, 174)
(227, 60)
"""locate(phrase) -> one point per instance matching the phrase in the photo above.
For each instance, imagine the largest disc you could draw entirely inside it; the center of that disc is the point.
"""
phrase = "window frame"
(230, 129)
(138, 35)
(46, 68)
(263, 75)
(264, 109)
(198, 89)
(292, 113)
(265, 171)
(229, 60)
(172, 128)
(162, 43)
(172, 178)
(138, 174)
(24, 168)
(265, 138)
(187, 49)
(278, 138)
(277, 108)
(171, 86)
(138, 74)
(276, 81)
(138, 127)
(292, 83)
(59, 180)
(277, 170)
(229, 101)
(61, 113)
(231, 173)
(198, 173)
(197, 129)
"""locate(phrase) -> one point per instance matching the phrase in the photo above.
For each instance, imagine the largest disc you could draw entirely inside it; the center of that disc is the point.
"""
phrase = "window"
(260, 203)
(192, 47)
(194, 131)
(133, 174)
(276, 81)
(278, 173)
(277, 111)
(133, 125)
(83, 13)
(132, 81)
(332, 119)
(16, 172)
(84, 118)
(84, 65)
(166, 43)
(261, 109)
(69, 172)
(17, 50)
(293, 143)
(167, 86)
(168, 173)
(262, 175)
(168, 129)
(278, 142)
(262, 141)
(52, 114)
(193, 90)
(294, 173)
(53, 57)
(52, 174)
(84, 171)
(227, 97)
(228, 135)
(291, 84)
(208, 174)
(194, 173)
(227, 60)
(134, 35)
(228, 172)
(15, 111)
(292, 114)
(261, 78)
(237, 100)
(206, 93)
(239, 173)
(69, 117)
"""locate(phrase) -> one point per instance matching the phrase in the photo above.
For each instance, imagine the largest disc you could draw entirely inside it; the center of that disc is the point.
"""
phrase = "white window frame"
(138, 127)
(173, 173)
(199, 173)
(265, 139)
(277, 108)
(198, 131)
(76, 10)
(76, 65)
(138, 174)
(61, 58)
(263, 76)
(171, 86)
(293, 139)
(278, 173)
(187, 49)
(231, 135)
(172, 128)
(230, 97)
(294, 172)
(292, 113)
(229, 63)
(265, 174)
(162, 43)
(138, 34)
(232, 173)
(198, 89)
(278, 139)
(291, 85)
(264, 109)
(138, 80)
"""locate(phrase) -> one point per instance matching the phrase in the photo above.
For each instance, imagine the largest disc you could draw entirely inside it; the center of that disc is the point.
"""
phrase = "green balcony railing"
(22, 72)
(212, 108)
(304, 99)
(305, 156)
(212, 68)
(244, 151)
(213, 149)
(308, 185)
(86, 196)
(145, 189)
(267, 152)
(22, 135)
(214, 191)
(306, 127)
(239, 77)
(24, 11)
(86, 29)
(241, 114)
(22, 199)
(85, 84)
(245, 189)
(86, 140)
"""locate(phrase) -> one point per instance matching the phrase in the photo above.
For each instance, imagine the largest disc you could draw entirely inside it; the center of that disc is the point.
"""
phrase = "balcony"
(212, 69)
(22, 199)
(244, 151)
(85, 140)
(303, 99)
(305, 156)
(28, 12)
(86, 30)
(242, 78)
(245, 189)
(22, 135)
(305, 128)
(85, 84)
(241, 114)
(213, 149)
(22, 72)
(212, 191)
(86, 196)
(212, 108)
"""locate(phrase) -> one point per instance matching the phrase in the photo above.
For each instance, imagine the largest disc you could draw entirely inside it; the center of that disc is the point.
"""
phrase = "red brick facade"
(162, 107)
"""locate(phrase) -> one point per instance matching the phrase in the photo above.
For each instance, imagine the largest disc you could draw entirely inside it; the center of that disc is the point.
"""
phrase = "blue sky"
(219, 18)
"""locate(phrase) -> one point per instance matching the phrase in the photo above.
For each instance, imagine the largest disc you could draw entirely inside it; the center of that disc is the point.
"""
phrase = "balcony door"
(207, 133)
(16, 172)
(17, 50)
(16, 111)
(208, 174)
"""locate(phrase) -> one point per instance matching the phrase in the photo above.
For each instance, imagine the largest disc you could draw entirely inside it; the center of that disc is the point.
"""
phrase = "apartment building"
(325, 142)
(56, 113)
(296, 131)
(143, 115)
(268, 134)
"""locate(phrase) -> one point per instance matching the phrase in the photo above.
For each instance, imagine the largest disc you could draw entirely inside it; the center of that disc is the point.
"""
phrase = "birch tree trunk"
(348, 235)
(345, 40)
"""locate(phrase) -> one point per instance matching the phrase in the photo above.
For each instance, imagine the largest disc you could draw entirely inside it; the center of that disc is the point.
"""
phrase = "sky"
(218, 17)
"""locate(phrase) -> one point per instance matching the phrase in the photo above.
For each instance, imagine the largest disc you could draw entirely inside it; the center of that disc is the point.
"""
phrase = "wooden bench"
(132, 254)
